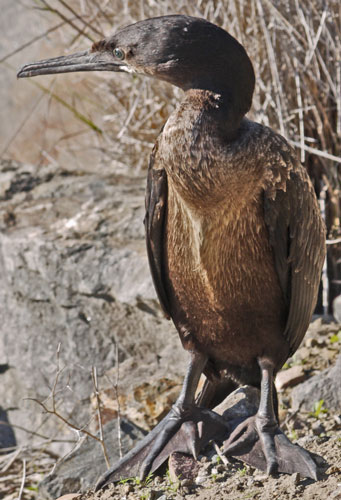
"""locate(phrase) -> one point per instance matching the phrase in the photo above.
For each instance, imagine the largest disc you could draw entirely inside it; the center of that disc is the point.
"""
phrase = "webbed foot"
(264, 446)
(185, 429)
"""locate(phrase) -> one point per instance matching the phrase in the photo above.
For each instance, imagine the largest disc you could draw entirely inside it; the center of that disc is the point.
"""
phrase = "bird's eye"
(119, 53)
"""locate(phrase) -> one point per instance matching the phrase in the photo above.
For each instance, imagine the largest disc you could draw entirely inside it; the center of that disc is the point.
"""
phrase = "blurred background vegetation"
(83, 121)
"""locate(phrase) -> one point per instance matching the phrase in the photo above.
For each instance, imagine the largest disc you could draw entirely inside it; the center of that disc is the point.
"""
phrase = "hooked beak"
(80, 61)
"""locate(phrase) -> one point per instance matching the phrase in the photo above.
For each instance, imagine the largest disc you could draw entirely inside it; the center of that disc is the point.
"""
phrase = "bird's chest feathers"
(207, 171)
(189, 151)
(217, 254)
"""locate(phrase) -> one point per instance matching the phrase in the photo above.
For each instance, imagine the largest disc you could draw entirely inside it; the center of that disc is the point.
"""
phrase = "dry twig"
(23, 479)
(116, 391)
(99, 416)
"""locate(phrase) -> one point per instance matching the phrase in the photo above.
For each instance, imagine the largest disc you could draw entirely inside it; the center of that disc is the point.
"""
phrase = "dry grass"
(22, 469)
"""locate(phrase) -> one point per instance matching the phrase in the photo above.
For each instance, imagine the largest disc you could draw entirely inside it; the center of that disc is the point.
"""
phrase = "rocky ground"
(318, 430)
(74, 274)
(310, 418)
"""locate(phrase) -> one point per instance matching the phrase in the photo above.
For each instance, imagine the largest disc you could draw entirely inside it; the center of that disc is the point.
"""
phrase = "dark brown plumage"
(234, 237)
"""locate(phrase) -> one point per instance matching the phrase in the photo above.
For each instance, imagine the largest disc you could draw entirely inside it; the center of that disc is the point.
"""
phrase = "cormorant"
(234, 235)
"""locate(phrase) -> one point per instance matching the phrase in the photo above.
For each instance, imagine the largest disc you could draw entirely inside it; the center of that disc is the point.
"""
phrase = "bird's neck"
(204, 119)
(212, 113)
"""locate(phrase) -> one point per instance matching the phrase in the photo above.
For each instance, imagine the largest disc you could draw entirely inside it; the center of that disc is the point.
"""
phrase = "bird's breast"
(223, 250)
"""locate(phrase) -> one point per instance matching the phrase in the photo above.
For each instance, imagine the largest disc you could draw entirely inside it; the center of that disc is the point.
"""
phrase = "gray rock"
(74, 273)
(325, 385)
(82, 468)
(240, 404)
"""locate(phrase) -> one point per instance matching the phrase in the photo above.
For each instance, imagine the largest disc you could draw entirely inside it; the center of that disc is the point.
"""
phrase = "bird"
(234, 236)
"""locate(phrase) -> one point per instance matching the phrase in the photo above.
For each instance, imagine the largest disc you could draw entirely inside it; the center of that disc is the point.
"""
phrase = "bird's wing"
(297, 236)
(156, 206)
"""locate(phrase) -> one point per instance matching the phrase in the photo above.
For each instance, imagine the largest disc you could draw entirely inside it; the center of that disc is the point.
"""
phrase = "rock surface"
(74, 273)
(82, 468)
(325, 386)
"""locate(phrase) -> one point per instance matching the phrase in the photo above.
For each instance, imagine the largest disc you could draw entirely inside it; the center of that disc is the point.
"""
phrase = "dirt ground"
(319, 431)
(237, 481)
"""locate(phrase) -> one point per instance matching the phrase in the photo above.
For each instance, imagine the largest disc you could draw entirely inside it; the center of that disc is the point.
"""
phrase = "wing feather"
(297, 236)
(156, 207)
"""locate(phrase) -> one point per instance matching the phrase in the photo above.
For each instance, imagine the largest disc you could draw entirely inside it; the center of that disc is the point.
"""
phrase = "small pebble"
(310, 342)
(186, 482)
(297, 424)
(303, 441)
(200, 479)
(69, 496)
(260, 477)
(221, 468)
(318, 428)
(322, 439)
(336, 494)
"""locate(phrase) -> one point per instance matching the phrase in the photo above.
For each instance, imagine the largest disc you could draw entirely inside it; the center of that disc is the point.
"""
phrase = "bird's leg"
(187, 428)
(265, 420)
(259, 441)
(180, 414)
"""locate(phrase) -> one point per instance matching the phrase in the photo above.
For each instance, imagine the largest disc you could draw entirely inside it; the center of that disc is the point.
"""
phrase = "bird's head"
(185, 51)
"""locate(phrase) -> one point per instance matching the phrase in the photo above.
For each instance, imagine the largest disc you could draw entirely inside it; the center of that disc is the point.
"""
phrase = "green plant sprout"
(318, 409)
(335, 338)
(242, 471)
